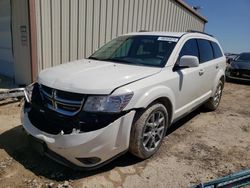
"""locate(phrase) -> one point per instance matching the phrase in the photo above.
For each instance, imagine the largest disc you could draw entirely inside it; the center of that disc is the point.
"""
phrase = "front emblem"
(54, 92)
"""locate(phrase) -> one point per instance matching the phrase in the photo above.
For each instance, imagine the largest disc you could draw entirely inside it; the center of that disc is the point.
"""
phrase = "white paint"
(88, 76)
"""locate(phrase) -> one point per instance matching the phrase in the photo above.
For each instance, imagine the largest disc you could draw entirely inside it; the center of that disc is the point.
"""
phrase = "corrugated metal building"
(36, 34)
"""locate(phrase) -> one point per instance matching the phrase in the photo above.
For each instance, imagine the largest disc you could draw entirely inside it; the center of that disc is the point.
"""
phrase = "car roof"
(173, 34)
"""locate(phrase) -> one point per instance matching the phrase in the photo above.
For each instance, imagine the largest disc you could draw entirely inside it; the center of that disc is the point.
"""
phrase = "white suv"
(123, 97)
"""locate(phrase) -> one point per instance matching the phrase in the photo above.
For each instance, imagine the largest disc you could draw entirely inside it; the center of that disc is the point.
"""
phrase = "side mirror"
(189, 61)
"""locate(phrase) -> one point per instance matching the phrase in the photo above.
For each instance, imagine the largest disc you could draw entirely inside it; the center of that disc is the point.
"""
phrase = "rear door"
(208, 66)
(219, 59)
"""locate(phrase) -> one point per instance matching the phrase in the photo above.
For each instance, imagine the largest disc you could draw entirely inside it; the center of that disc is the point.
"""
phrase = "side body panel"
(185, 88)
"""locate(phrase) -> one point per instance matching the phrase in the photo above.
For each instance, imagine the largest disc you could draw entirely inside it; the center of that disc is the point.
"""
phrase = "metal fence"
(72, 29)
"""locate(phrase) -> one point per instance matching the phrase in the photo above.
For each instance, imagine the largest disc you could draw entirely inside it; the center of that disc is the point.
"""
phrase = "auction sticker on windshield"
(168, 39)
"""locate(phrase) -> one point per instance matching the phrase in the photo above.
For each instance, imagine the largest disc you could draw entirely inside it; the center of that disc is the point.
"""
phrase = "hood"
(93, 77)
(241, 65)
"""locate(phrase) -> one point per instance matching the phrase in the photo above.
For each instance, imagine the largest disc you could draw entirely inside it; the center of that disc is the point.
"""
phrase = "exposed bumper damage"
(83, 149)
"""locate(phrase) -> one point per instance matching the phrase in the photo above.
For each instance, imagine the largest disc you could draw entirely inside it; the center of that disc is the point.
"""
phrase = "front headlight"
(28, 92)
(109, 103)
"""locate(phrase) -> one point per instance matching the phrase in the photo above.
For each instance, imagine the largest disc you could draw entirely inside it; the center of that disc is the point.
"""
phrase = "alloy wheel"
(217, 95)
(154, 130)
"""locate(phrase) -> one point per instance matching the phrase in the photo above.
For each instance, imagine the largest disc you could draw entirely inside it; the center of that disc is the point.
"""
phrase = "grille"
(52, 122)
(63, 102)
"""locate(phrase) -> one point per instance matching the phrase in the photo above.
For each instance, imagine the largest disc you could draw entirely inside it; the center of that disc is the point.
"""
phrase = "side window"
(190, 48)
(205, 49)
(217, 50)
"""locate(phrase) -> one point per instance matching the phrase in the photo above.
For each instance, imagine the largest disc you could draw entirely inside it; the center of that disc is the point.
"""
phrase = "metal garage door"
(6, 58)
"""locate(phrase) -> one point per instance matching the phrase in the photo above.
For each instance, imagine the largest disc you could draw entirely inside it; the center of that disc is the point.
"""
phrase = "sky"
(228, 21)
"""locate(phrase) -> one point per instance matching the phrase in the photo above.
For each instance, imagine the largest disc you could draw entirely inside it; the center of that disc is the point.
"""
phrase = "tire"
(213, 103)
(148, 129)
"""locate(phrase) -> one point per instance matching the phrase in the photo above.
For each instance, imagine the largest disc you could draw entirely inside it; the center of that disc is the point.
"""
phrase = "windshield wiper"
(118, 60)
(110, 59)
(94, 58)
(128, 62)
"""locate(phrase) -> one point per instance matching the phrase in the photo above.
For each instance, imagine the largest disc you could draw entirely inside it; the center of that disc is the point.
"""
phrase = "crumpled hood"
(241, 65)
(93, 77)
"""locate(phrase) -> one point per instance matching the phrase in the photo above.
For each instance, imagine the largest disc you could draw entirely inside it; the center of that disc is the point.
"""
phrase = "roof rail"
(194, 31)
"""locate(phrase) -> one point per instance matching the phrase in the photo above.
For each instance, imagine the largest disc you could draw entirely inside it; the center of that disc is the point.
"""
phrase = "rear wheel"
(148, 131)
(214, 101)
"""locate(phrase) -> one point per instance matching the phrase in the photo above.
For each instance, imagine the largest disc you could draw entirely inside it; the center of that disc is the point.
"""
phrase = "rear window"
(205, 50)
(217, 50)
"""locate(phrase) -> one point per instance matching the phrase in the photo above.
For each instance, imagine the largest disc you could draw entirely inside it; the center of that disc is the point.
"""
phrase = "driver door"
(189, 81)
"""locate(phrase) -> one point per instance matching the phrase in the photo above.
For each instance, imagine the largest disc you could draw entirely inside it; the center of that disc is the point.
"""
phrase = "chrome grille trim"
(62, 101)
(60, 104)
(45, 93)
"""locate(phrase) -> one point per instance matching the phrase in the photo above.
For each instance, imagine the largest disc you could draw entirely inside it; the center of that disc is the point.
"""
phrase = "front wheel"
(213, 103)
(148, 131)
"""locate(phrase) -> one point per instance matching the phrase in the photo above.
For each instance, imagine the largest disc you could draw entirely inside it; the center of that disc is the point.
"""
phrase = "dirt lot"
(200, 147)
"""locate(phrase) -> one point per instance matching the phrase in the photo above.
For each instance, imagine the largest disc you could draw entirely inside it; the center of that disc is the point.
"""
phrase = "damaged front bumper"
(84, 150)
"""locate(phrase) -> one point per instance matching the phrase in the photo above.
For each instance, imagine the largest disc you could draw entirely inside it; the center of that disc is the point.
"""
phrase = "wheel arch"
(161, 95)
(222, 79)
(219, 77)
(167, 103)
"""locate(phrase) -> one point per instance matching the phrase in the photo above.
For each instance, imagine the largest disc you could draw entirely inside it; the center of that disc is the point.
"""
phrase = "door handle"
(217, 66)
(201, 72)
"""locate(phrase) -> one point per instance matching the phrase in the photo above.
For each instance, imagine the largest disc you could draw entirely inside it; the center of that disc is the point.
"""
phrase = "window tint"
(190, 48)
(151, 48)
(217, 50)
(123, 49)
(145, 47)
(205, 49)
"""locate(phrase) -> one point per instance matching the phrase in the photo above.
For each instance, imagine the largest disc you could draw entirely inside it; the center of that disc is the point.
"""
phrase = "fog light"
(89, 161)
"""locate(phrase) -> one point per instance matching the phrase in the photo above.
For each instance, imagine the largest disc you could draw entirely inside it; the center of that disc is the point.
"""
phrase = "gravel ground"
(200, 147)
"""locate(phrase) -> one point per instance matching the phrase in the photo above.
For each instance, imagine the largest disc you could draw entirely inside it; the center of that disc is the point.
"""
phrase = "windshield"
(137, 50)
(243, 57)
